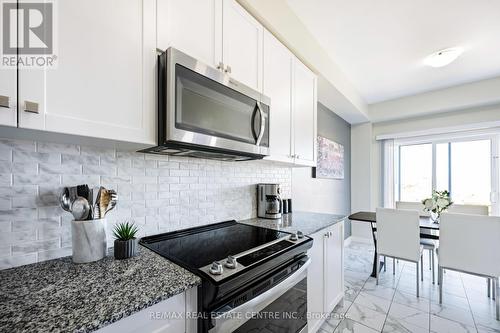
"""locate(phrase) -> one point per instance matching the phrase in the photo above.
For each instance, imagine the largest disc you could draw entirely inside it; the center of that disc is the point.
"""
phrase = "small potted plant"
(125, 241)
(438, 203)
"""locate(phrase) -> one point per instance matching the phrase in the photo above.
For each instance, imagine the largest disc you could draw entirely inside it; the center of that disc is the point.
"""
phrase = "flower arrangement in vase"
(438, 203)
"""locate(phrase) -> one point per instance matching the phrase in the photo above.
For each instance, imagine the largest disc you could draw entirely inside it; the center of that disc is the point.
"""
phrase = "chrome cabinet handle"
(228, 69)
(4, 102)
(31, 107)
(220, 65)
(262, 124)
(297, 156)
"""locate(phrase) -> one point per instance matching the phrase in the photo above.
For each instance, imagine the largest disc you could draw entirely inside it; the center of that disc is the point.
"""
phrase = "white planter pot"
(88, 240)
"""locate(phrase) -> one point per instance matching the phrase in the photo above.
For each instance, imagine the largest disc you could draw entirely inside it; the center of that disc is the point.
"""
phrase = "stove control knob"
(300, 234)
(231, 262)
(294, 237)
(216, 268)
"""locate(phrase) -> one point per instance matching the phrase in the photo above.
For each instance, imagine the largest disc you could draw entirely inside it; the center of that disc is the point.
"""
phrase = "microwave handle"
(262, 124)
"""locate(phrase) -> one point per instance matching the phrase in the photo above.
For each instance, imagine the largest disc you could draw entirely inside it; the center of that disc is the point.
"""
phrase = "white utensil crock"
(88, 240)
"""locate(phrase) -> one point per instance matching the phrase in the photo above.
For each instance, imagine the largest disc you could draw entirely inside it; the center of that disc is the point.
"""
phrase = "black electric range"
(237, 262)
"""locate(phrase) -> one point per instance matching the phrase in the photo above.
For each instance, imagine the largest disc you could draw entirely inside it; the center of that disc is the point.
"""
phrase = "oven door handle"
(229, 321)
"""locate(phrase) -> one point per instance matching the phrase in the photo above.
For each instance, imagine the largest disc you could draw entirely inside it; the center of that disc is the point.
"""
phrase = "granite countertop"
(307, 222)
(58, 295)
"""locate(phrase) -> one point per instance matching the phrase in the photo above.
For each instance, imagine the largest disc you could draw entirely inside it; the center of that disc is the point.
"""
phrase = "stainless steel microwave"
(203, 112)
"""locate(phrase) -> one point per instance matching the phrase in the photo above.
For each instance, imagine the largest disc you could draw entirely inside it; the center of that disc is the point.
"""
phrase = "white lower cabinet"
(168, 316)
(325, 277)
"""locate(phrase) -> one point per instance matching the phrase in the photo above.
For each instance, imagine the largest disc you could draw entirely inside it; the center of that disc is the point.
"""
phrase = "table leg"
(375, 255)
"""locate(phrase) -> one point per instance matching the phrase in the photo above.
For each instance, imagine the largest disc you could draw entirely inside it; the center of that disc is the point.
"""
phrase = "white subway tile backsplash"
(72, 180)
(105, 170)
(46, 147)
(44, 179)
(123, 171)
(12, 261)
(18, 145)
(57, 169)
(5, 179)
(79, 159)
(30, 157)
(33, 247)
(160, 193)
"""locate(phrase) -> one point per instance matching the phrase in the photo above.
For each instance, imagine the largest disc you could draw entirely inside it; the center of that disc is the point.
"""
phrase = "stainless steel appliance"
(203, 112)
(269, 204)
(253, 279)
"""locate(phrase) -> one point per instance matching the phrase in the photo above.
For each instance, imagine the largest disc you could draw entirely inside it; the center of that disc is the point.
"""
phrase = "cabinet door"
(242, 40)
(304, 114)
(278, 86)
(192, 26)
(153, 319)
(315, 285)
(334, 271)
(104, 82)
(8, 96)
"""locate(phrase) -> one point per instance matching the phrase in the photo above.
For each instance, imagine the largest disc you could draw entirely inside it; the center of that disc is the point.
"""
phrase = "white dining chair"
(468, 209)
(470, 244)
(398, 237)
(474, 210)
(428, 244)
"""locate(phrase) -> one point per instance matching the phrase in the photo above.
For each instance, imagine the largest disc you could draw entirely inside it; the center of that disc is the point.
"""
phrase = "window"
(461, 167)
(415, 172)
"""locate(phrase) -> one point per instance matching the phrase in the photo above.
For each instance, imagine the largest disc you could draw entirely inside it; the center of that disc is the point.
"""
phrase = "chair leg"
(376, 269)
(497, 292)
(488, 282)
(422, 267)
(418, 282)
(440, 282)
(385, 263)
(432, 265)
(393, 266)
(430, 259)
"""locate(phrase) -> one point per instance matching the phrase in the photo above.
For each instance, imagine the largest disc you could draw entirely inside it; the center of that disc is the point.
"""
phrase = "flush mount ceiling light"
(443, 57)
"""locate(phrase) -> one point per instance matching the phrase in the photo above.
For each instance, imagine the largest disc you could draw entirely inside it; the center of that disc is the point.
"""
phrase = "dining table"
(428, 229)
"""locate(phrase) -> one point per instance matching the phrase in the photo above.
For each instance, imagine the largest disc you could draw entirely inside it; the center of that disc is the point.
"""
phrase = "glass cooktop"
(200, 246)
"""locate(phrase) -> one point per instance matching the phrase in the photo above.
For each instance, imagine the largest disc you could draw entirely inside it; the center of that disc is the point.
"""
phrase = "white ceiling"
(380, 44)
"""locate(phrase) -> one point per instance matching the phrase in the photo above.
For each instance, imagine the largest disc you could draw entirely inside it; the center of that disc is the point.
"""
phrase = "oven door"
(281, 309)
(207, 107)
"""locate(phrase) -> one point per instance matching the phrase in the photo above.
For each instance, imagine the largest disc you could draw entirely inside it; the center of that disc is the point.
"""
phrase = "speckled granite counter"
(58, 295)
(307, 222)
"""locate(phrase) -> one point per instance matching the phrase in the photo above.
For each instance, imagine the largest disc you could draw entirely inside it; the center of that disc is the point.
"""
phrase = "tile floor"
(392, 306)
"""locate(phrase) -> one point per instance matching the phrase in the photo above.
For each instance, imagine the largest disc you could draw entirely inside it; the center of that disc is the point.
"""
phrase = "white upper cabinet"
(278, 86)
(192, 26)
(104, 82)
(242, 43)
(304, 114)
(218, 32)
(8, 96)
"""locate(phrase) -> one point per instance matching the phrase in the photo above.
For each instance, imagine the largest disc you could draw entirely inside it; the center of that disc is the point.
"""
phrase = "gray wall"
(326, 195)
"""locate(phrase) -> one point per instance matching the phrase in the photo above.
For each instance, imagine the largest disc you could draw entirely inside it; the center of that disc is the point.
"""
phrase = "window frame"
(492, 136)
